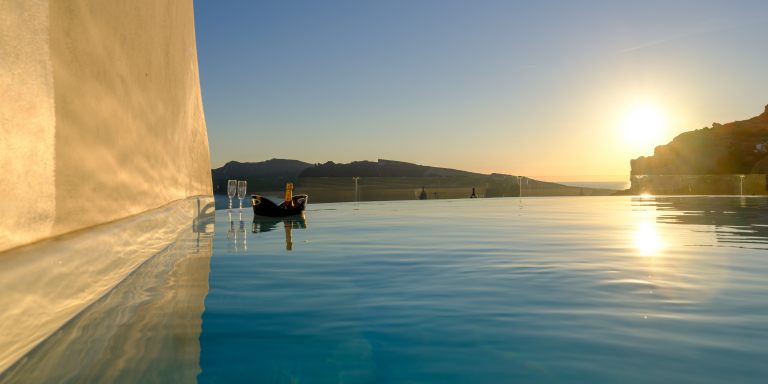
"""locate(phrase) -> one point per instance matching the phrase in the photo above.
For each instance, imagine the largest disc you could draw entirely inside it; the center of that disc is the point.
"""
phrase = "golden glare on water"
(644, 125)
(647, 239)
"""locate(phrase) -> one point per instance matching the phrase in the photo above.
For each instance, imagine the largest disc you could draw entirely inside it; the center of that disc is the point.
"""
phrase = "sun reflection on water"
(647, 239)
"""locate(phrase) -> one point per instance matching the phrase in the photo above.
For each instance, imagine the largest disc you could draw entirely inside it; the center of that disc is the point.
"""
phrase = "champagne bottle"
(289, 195)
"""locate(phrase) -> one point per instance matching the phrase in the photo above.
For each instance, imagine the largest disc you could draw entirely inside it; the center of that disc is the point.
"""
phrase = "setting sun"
(644, 125)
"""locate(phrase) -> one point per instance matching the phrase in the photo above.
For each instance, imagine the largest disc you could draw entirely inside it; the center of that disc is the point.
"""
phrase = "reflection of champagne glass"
(241, 189)
(231, 234)
(242, 233)
(231, 190)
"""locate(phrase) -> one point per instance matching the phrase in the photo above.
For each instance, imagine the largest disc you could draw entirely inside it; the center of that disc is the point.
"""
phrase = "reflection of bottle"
(288, 240)
(288, 195)
(473, 195)
(268, 224)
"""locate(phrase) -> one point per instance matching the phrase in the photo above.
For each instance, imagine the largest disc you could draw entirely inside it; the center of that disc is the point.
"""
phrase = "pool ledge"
(48, 283)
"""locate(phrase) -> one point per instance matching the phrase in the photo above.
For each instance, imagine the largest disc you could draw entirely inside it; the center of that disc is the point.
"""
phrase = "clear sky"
(560, 90)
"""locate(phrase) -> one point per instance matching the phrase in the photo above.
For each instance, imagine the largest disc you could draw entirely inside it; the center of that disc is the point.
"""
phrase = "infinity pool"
(578, 289)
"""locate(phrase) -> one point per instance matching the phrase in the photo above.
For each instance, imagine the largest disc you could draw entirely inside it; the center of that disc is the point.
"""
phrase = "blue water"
(614, 290)
(555, 290)
(222, 202)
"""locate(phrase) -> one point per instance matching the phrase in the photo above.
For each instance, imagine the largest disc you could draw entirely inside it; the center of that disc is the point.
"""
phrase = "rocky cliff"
(736, 148)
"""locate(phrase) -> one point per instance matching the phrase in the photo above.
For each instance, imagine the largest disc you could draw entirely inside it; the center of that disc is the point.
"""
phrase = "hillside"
(740, 147)
(264, 175)
(381, 168)
(383, 180)
(333, 189)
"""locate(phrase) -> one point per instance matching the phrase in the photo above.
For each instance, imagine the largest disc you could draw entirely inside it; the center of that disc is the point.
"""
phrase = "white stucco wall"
(27, 123)
(101, 123)
(101, 115)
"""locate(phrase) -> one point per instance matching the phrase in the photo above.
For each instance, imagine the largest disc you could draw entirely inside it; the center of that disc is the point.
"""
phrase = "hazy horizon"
(552, 90)
(575, 180)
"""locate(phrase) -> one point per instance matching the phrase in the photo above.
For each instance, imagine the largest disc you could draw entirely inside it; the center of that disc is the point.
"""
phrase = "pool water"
(577, 289)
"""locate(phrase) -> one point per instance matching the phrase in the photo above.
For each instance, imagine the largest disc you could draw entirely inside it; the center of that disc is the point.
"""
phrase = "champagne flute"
(241, 189)
(231, 191)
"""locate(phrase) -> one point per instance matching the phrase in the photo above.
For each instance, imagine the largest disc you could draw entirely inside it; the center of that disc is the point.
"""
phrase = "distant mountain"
(740, 147)
(381, 168)
(265, 175)
(384, 180)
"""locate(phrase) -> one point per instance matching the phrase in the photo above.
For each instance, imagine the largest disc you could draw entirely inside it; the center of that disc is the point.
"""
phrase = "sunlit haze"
(644, 126)
(558, 90)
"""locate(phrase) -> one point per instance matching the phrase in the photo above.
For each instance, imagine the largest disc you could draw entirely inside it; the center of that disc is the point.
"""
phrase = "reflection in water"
(676, 232)
(146, 330)
(647, 239)
(737, 221)
(238, 241)
(266, 224)
(45, 285)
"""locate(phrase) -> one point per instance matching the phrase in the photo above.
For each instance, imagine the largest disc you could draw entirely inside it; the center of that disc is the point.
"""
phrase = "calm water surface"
(582, 289)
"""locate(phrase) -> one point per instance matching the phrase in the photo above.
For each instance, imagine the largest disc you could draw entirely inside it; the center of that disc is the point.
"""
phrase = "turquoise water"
(494, 290)
(579, 289)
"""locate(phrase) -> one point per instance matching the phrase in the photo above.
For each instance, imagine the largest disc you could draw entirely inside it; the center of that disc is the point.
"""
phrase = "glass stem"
(230, 203)
(241, 204)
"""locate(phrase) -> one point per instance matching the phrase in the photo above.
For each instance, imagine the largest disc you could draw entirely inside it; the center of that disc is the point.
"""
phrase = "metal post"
(356, 195)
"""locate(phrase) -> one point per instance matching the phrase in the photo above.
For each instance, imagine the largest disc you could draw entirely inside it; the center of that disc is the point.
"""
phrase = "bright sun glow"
(644, 125)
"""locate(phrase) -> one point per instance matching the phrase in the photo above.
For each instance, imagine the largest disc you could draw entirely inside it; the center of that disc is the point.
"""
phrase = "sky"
(557, 90)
